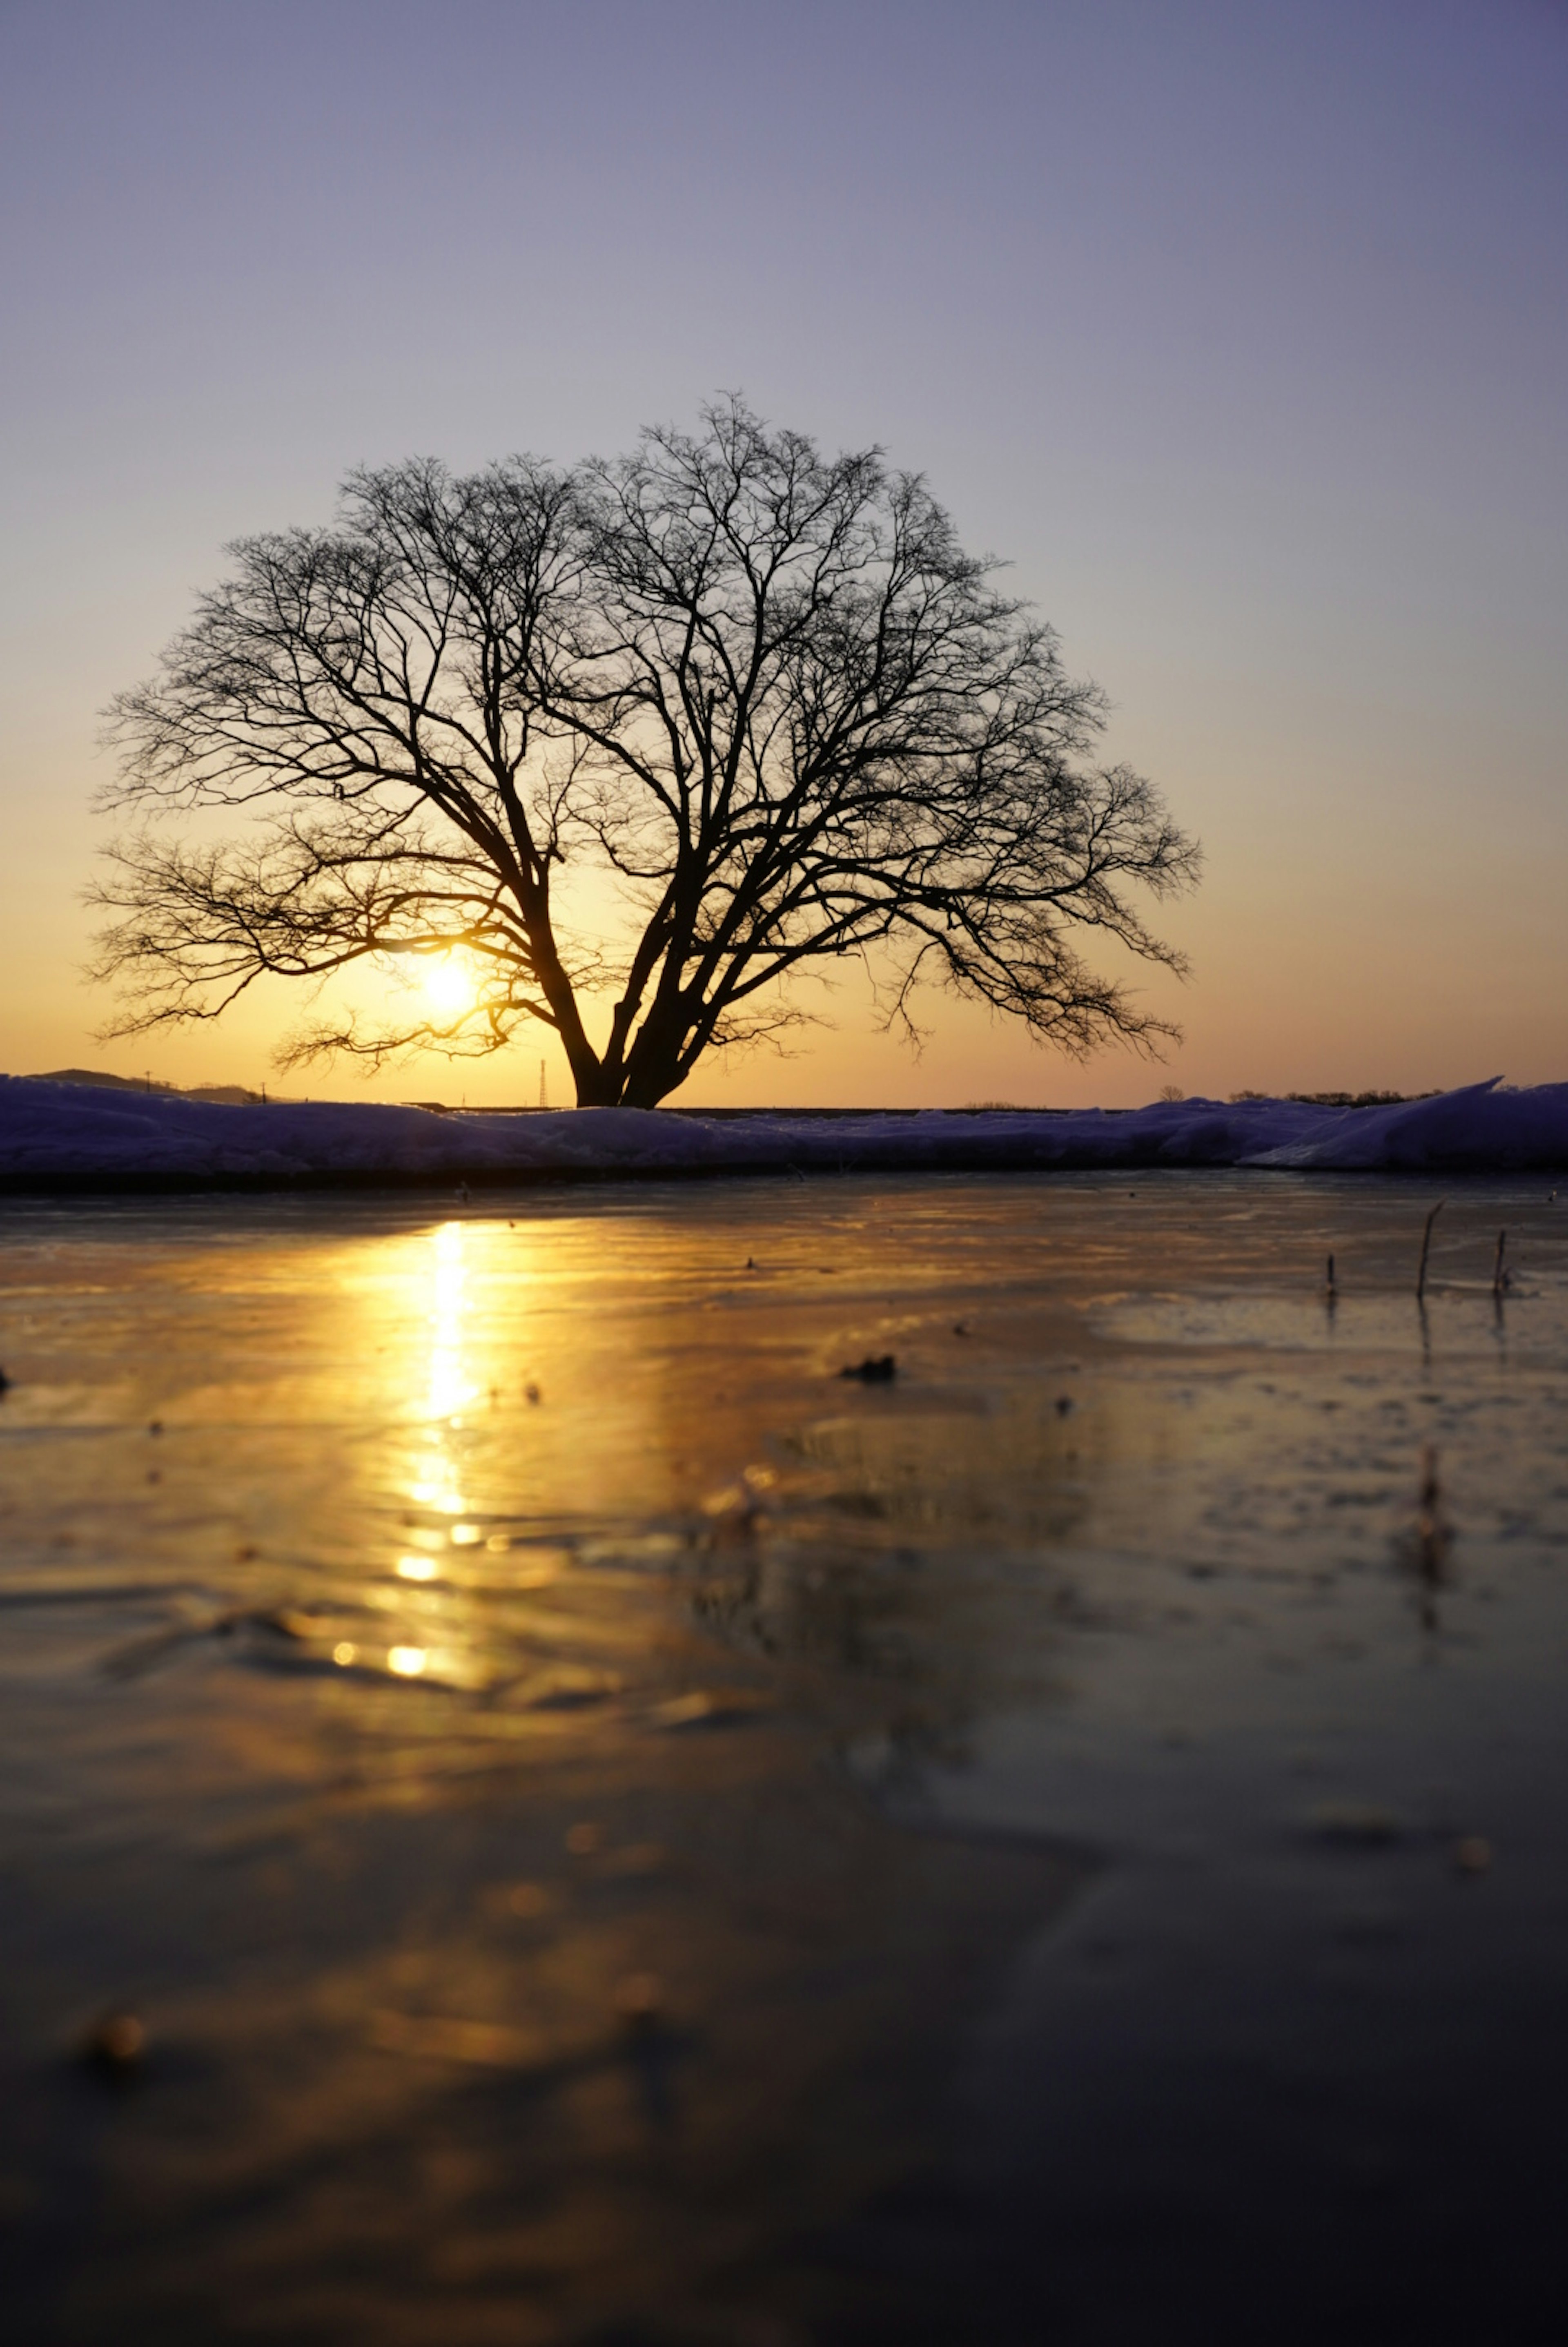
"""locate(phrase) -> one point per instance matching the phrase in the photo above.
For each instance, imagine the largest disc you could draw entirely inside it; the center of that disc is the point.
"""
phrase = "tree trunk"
(597, 1087)
(653, 1064)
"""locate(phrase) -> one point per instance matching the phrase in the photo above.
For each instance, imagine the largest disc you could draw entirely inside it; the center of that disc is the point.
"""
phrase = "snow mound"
(56, 1136)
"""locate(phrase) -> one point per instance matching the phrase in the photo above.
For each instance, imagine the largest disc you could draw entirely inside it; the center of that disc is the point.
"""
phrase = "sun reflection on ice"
(452, 1387)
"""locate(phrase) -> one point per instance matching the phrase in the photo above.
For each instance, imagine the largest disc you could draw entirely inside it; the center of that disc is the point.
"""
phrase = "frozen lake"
(616, 1831)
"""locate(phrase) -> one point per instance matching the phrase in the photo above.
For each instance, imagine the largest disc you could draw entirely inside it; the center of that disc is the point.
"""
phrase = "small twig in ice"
(1502, 1278)
(1426, 1249)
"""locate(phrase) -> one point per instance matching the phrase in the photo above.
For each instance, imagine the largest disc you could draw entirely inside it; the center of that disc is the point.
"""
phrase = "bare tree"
(767, 691)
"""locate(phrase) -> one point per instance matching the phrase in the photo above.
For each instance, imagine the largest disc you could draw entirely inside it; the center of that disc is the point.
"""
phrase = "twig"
(1425, 1248)
(1501, 1278)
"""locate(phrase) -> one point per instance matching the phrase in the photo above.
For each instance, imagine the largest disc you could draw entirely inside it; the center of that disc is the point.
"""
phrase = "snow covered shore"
(56, 1136)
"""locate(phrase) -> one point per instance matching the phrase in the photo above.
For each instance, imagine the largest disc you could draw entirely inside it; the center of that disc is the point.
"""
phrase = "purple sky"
(1241, 329)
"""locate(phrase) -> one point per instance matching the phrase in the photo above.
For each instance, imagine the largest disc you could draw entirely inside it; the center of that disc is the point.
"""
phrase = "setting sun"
(448, 986)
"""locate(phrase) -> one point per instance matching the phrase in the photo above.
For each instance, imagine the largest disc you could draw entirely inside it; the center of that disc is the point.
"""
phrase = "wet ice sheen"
(585, 1852)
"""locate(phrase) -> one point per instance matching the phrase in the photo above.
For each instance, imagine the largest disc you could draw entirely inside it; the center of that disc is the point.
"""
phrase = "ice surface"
(1094, 1803)
(55, 1132)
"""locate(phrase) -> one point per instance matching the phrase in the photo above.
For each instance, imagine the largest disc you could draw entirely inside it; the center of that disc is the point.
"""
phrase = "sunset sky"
(1239, 329)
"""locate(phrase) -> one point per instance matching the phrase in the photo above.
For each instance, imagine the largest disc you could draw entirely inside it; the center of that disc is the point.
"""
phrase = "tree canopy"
(764, 691)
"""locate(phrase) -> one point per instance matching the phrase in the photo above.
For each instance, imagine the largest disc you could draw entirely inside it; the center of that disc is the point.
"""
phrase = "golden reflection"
(525, 1364)
(416, 1568)
(450, 1388)
(451, 1384)
(407, 1662)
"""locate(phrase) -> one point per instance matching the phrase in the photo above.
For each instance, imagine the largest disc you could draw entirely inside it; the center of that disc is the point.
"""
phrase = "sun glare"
(448, 984)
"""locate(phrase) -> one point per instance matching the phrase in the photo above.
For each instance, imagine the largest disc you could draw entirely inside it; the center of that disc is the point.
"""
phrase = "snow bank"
(56, 1136)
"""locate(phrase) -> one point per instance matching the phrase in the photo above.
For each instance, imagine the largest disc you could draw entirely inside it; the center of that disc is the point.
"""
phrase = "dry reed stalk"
(1426, 1249)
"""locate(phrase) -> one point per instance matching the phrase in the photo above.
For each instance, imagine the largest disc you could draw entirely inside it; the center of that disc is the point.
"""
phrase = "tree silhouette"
(765, 691)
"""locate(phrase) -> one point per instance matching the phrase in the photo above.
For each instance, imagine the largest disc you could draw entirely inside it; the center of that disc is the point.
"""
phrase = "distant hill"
(229, 1095)
(93, 1076)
